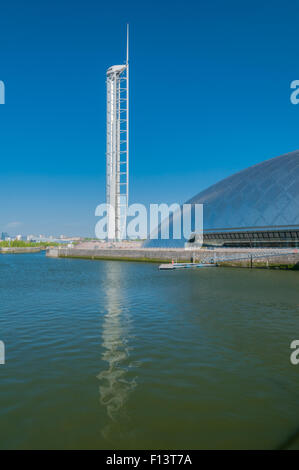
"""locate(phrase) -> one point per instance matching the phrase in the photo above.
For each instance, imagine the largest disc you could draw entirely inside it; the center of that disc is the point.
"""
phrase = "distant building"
(4, 235)
(21, 238)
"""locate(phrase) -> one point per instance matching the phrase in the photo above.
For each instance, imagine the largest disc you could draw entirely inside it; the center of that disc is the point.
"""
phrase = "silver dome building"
(258, 206)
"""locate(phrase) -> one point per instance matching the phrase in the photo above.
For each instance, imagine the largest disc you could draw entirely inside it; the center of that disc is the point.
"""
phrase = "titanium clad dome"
(264, 195)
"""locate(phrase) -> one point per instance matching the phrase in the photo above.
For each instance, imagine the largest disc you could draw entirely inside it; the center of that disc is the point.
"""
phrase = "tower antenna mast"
(128, 135)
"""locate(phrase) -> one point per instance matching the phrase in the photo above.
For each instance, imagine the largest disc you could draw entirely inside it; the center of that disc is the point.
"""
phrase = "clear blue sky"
(209, 96)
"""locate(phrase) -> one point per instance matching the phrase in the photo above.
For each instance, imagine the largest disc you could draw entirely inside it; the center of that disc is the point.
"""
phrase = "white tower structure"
(117, 153)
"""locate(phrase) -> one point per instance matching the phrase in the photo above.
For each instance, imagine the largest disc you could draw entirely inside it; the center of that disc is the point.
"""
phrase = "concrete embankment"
(141, 254)
(8, 250)
(247, 258)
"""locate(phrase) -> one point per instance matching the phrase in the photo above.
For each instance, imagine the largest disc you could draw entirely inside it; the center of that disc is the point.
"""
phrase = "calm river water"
(117, 355)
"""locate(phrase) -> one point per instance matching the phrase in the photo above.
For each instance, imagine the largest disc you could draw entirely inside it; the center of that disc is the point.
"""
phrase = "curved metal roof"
(261, 196)
(116, 69)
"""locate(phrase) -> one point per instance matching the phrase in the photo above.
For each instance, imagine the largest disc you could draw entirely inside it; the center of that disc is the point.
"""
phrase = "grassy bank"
(23, 244)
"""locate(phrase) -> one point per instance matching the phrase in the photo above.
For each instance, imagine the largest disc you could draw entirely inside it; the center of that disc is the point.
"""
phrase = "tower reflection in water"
(117, 381)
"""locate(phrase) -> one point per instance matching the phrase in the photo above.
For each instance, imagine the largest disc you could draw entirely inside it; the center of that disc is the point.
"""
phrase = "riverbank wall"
(15, 250)
(141, 254)
(246, 258)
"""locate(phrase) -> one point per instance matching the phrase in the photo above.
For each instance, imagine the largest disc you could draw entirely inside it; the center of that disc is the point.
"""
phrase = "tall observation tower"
(117, 154)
